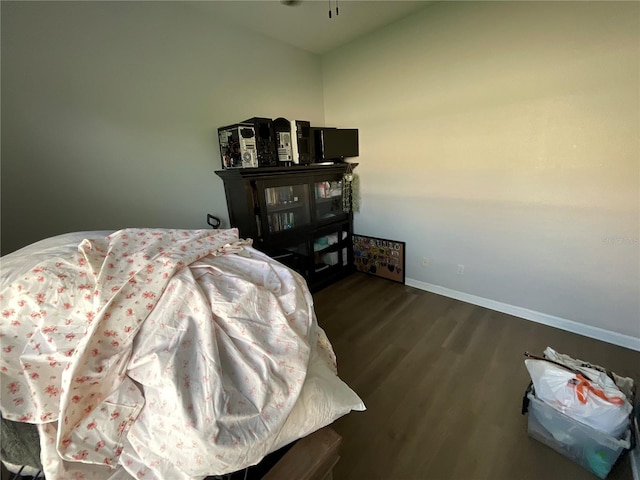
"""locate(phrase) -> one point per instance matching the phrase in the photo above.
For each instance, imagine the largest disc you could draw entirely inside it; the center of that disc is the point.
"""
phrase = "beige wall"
(504, 137)
(110, 112)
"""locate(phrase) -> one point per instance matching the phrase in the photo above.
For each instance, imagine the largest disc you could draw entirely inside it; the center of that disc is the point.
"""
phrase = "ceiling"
(307, 24)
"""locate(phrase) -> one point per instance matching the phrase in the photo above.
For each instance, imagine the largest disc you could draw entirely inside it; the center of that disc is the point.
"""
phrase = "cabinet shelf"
(331, 248)
(284, 206)
(295, 215)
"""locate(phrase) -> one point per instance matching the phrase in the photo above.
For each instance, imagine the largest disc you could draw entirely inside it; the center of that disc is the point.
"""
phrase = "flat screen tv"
(336, 143)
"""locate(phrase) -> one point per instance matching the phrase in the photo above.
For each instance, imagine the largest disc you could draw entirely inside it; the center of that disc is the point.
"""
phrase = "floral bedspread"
(155, 354)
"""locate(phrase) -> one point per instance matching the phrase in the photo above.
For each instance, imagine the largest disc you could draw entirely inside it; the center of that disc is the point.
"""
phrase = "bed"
(152, 353)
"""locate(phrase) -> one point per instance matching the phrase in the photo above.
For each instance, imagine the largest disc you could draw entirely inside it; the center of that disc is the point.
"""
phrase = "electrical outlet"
(425, 262)
(460, 269)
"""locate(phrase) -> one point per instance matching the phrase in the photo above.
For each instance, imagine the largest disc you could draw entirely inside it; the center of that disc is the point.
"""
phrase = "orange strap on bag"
(583, 386)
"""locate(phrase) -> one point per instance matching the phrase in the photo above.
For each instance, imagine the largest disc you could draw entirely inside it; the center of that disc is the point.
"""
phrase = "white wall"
(110, 112)
(503, 136)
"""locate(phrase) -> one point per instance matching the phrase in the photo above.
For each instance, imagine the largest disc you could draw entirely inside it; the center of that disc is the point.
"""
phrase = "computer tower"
(282, 128)
(301, 142)
(238, 146)
(265, 141)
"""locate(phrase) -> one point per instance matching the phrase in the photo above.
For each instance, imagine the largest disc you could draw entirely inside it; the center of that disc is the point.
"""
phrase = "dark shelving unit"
(295, 214)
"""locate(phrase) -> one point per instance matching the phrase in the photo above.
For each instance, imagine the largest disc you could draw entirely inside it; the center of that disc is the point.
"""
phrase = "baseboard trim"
(598, 333)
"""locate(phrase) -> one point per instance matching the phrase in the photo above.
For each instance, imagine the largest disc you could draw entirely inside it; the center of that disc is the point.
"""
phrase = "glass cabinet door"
(287, 207)
(328, 197)
(295, 256)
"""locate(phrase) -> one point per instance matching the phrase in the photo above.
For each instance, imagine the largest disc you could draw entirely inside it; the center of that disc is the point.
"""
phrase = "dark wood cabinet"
(296, 215)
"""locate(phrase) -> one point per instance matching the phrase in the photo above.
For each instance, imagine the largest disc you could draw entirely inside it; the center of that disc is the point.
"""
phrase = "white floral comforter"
(159, 354)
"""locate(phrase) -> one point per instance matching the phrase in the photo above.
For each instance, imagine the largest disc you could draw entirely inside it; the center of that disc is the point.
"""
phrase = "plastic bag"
(585, 394)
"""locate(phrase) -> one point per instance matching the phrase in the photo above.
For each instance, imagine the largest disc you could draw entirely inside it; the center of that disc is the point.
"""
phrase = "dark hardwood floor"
(443, 382)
